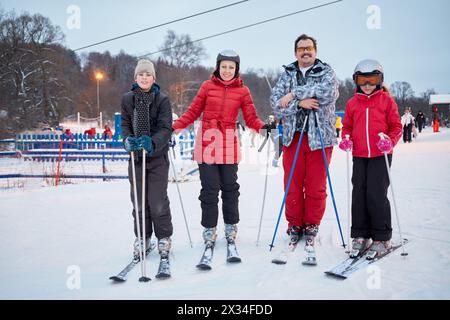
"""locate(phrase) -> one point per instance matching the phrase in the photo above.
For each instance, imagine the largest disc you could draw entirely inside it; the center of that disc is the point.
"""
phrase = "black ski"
(351, 265)
(164, 269)
(206, 260)
(122, 275)
(232, 253)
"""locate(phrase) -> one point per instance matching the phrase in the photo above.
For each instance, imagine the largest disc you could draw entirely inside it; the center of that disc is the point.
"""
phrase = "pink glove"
(385, 144)
(346, 145)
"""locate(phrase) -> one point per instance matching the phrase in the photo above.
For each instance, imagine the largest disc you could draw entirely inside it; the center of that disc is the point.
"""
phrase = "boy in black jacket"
(147, 125)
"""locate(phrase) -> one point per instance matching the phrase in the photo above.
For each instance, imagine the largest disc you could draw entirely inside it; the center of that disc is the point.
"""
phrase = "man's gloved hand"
(131, 144)
(146, 143)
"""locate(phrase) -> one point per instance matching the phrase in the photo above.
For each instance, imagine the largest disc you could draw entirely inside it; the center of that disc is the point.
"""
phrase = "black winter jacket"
(160, 119)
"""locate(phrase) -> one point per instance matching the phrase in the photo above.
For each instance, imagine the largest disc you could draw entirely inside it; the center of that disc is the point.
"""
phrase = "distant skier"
(420, 118)
(147, 124)
(371, 111)
(69, 135)
(407, 122)
(107, 133)
(338, 126)
(217, 148)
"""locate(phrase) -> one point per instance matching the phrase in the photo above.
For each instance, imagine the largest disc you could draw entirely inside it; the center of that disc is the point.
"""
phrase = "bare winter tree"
(402, 91)
(29, 51)
(346, 92)
(181, 52)
(426, 95)
(180, 55)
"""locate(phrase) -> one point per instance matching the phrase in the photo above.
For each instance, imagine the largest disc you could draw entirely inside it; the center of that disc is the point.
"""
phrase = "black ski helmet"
(229, 55)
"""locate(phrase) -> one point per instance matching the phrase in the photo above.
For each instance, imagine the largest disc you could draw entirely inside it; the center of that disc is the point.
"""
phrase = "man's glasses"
(303, 49)
(373, 79)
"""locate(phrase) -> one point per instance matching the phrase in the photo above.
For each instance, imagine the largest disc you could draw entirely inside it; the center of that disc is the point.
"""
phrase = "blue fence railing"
(80, 147)
(78, 141)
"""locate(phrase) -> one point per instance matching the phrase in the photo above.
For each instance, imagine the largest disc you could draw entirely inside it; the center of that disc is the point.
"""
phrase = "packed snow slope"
(64, 242)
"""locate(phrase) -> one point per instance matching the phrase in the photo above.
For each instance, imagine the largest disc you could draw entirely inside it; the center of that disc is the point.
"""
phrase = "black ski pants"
(420, 125)
(157, 205)
(215, 178)
(371, 210)
(407, 129)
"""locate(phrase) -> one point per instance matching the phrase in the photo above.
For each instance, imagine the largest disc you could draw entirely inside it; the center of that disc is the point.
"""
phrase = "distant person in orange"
(436, 124)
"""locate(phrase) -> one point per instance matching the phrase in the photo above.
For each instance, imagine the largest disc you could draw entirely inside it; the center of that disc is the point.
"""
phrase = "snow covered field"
(49, 235)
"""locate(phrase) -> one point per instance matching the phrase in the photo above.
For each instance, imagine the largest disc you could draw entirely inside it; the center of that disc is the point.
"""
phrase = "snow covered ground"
(50, 235)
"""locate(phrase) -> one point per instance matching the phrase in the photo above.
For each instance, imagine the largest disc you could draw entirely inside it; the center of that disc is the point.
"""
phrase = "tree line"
(42, 81)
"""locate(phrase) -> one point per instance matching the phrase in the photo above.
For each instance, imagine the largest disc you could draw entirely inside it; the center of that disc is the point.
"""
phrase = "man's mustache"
(306, 55)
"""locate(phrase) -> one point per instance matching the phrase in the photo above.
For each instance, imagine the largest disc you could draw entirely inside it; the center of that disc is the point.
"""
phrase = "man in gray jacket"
(307, 85)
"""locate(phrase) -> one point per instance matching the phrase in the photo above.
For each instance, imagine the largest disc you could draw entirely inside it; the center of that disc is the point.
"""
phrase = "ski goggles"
(372, 79)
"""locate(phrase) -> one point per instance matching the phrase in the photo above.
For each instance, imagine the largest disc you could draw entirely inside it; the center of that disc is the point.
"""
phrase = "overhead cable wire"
(240, 28)
(160, 25)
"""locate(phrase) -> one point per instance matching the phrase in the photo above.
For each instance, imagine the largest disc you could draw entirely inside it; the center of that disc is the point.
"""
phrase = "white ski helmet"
(368, 66)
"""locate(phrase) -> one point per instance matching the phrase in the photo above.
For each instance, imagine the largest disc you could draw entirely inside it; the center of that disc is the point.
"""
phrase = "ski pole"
(348, 196)
(393, 196)
(172, 145)
(144, 277)
(263, 144)
(265, 190)
(136, 211)
(179, 196)
(329, 179)
(290, 178)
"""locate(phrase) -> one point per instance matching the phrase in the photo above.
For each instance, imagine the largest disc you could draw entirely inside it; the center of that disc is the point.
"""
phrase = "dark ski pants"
(407, 133)
(371, 210)
(215, 178)
(157, 206)
(420, 125)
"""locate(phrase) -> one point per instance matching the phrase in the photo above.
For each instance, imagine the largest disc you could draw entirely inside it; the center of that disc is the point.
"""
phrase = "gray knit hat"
(144, 65)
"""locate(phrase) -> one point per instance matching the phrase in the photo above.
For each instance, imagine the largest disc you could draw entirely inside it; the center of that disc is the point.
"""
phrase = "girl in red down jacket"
(217, 148)
(370, 112)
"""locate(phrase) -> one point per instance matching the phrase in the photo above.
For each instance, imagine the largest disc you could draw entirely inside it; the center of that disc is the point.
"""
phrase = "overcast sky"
(409, 37)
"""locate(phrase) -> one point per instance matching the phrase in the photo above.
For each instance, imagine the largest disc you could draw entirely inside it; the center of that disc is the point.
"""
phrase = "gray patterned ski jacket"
(321, 83)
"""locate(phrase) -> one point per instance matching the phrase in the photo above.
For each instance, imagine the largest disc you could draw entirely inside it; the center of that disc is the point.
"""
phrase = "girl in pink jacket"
(370, 112)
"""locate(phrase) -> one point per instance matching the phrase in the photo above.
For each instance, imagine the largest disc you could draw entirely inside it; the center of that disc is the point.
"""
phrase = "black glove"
(267, 127)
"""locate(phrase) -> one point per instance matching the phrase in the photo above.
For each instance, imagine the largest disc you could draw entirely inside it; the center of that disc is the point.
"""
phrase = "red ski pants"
(306, 199)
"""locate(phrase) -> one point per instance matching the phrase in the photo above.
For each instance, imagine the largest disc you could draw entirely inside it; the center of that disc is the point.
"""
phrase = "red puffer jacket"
(219, 102)
(365, 117)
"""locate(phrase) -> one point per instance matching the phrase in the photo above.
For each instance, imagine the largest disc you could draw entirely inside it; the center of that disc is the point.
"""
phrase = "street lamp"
(98, 76)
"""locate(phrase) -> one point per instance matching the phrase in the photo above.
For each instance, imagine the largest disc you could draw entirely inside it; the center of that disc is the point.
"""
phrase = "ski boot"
(295, 234)
(310, 252)
(379, 249)
(164, 245)
(359, 246)
(230, 235)
(209, 237)
(137, 245)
